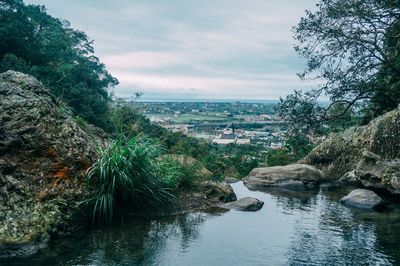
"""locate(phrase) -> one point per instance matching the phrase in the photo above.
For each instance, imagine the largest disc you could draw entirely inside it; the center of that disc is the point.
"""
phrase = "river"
(308, 228)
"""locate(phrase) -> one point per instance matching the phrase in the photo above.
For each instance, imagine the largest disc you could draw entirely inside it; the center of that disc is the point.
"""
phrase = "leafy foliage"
(189, 170)
(128, 172)
(296, 148)
(353, 46)
(62, 58)
(229, 160)
(279, 157)
(232, 160)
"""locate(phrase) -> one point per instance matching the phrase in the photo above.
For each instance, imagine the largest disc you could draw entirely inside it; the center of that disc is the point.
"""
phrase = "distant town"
(221, 123)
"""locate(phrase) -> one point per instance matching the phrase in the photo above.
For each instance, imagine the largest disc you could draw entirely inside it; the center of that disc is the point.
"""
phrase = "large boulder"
(244, 204)
(363, 199)
(294, 176)
(43, 157)
(343, 152)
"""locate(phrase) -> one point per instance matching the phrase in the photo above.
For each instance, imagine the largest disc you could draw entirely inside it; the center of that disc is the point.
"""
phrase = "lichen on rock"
(368, 156)
(292, 177)
(43, 158)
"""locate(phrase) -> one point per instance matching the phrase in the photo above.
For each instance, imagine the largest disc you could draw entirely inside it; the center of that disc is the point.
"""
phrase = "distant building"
(276, 145)
(265, 117)
(183, 128)
(243, 141)
(230, 137)
(225, 138)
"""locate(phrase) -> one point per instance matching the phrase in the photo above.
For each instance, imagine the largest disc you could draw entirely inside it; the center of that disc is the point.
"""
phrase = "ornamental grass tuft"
(129, 173)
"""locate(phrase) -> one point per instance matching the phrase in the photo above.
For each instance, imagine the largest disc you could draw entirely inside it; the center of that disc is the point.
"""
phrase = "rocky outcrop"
(43, 157)
(244, 204)
(294, 177)
(216, 190)
(363, 199)
(375, 173)
(366, 155)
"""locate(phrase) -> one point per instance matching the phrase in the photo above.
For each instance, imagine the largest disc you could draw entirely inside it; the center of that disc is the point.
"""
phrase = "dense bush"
(129, 172)
(296, 148)
(279, 157)
(189, 170)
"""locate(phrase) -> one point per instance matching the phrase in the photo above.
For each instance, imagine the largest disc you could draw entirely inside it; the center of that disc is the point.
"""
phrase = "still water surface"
(291, 229)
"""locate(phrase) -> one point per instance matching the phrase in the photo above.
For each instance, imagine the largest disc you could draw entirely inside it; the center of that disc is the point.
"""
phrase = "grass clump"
(129, 173)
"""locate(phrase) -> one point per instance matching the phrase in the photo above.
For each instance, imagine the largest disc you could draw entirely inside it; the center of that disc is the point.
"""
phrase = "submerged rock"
(294, 177)
(244, 204)
(363, 199)
(43, 157)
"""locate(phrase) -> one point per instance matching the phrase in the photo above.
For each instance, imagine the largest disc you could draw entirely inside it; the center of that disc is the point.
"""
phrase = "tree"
(33, 42)
(353, 47)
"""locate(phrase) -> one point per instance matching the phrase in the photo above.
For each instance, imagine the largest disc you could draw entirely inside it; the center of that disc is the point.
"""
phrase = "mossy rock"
(43, 157)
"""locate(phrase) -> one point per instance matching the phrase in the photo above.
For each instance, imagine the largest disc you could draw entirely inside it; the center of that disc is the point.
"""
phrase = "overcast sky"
(203, 49)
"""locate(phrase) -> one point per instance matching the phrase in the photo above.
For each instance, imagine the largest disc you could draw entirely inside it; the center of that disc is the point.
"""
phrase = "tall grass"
(129, 173)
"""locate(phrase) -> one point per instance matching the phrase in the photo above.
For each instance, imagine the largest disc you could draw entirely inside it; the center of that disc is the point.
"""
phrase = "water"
(291, 229)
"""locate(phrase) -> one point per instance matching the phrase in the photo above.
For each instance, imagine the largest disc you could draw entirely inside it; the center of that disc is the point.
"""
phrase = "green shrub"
(296, 148)
(279, 157)
(188, 169)
(81, 122)
(128, 173)
(189, 174)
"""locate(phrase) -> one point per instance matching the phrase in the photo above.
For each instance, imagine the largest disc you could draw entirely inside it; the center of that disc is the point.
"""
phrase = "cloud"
(204, 49)
(142, 60)
(207, 87)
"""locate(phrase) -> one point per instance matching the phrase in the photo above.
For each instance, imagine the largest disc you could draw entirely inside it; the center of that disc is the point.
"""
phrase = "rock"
(376, 142)
(221, 191)
(350, 178)
(363, 199)
(294, 176)
(23, 249)
(231, 180)
(43, 157)
(244, 204)
(375, 173)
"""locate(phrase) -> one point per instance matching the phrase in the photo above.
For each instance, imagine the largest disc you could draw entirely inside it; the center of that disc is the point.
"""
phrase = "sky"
(204, 49)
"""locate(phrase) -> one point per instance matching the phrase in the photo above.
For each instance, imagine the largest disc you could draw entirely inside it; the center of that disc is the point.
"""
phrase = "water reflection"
(293, 228)
(334, 236)
(139, 241)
